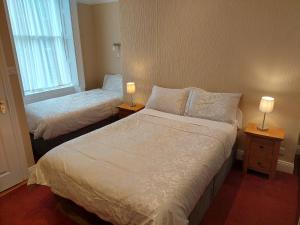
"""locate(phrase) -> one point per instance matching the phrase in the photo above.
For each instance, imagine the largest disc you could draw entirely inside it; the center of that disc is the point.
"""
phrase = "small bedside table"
(262, 149)
(125, 109)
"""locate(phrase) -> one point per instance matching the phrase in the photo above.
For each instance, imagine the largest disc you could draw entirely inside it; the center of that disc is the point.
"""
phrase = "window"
(43, 37)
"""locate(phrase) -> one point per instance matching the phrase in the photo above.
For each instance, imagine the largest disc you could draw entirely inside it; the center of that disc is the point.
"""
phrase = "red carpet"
(249, 200)
(253, 200)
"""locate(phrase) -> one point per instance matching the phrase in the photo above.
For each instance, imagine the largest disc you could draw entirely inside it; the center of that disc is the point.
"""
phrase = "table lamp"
(131, 91)
(266, 106)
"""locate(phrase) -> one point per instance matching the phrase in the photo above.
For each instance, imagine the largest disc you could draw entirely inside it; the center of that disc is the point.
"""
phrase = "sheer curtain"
(42, 33)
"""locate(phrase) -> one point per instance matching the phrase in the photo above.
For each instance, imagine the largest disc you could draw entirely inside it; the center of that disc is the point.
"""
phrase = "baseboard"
(298, 150)
(240, 154)
(282, 166)
(13, 188)
(285, 166)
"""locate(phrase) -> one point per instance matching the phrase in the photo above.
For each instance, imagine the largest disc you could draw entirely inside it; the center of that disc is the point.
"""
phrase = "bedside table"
(125, 109)
(262, 149)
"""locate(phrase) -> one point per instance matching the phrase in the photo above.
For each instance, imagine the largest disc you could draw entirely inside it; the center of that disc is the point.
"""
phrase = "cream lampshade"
(130, 87)
(266, 106)
(131, 90)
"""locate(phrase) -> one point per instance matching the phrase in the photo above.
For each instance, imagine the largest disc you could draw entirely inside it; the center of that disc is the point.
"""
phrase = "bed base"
(41, 146)
(212, 189)
(83, 217)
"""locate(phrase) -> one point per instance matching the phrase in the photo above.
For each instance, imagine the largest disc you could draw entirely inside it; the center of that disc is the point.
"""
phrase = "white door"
(12, 168)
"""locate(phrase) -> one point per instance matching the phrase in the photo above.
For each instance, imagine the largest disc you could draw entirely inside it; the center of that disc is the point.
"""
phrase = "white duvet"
(53, 117)
(149, 168)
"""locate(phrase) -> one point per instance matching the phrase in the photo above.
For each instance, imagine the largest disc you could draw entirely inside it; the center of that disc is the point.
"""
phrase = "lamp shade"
(266, 104)
(130, 87)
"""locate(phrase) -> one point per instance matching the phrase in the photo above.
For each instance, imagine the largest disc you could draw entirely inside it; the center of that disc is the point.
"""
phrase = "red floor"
(253, 200)
(250, 200)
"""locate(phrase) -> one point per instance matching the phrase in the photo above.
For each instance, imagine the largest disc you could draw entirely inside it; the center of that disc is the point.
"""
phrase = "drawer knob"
(259, 163)
(261, 146)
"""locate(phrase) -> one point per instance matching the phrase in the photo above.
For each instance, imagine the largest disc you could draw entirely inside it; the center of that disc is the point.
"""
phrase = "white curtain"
(42, 36)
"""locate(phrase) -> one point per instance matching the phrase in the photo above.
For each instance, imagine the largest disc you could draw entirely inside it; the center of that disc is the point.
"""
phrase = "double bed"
(163, 169)
(54, 121)
(160, 166)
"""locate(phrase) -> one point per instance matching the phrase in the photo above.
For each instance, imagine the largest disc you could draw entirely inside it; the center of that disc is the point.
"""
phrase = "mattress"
(149, 168)
(54, 117)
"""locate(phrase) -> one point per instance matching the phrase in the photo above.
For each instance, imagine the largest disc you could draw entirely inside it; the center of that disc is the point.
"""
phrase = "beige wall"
(88, 40)
(99, 29)
(15, 85)
(250, 47)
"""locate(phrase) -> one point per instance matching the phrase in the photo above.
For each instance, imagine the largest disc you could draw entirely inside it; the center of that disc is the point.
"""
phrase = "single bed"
(54, 121)
(151, 168)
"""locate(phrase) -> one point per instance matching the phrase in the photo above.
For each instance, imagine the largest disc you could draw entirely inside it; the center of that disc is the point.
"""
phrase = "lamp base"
(262, 128)
(132, 104)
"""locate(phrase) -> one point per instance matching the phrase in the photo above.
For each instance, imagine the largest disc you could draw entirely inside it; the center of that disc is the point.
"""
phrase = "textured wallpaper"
(250, 47)
(99, 29)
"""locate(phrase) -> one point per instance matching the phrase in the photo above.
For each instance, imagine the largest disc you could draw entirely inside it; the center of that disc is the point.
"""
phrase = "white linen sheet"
(149, 168)
(57, 116)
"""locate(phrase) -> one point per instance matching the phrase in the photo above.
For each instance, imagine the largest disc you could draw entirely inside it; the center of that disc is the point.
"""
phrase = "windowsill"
(51, 93)
(41, 91)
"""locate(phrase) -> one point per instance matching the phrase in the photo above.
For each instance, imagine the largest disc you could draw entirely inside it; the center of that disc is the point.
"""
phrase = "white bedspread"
(149, 168)
(53, 117)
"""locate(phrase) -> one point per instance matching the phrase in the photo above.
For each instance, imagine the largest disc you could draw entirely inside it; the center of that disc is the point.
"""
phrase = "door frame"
(11, 107)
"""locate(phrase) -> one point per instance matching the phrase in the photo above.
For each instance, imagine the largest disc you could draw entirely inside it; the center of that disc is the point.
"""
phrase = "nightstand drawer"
(260, 164)
(262, 145)
(261, 154)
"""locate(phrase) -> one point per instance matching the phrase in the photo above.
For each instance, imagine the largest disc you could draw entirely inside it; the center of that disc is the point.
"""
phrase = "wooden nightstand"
(262, 149)
(125, 109)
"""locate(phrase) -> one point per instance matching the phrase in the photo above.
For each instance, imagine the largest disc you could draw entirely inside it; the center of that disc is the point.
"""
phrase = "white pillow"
(168, 100)
(239, 118)
(213, 106)
(113, 82)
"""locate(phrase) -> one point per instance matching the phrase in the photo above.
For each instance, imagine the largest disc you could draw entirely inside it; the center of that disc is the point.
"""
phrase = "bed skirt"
(41, 146)
(212, 189)
(83, 217)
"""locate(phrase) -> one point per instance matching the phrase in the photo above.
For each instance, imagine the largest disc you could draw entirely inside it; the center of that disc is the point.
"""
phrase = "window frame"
(60, 91)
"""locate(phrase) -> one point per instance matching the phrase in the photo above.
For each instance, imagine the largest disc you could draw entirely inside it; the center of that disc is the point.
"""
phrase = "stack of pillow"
(195, 102)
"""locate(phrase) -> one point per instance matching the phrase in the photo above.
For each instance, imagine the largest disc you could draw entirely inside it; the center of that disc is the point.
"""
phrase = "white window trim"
(54, 93)
(77, 44)
(78, 52)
